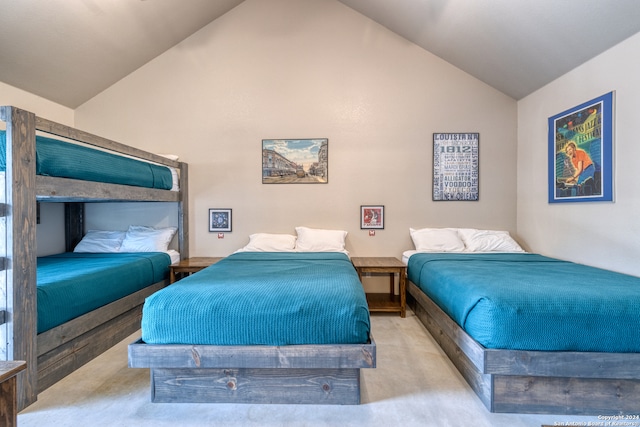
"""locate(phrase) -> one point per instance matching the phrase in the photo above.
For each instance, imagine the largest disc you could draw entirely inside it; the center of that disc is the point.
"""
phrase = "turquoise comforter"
(262, 298)
(531, 302)
(72, 284)
(65, 160)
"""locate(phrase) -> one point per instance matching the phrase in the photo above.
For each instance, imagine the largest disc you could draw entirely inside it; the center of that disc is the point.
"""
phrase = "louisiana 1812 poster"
(455, 166)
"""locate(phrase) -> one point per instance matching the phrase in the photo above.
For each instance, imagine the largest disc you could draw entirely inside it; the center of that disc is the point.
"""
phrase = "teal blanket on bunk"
(72, 284)
(531, 302)
(264, 298)
(66, 160)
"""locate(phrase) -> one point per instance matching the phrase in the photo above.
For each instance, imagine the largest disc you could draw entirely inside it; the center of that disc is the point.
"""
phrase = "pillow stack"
(462, 240)
(137, 238)
(307, 240)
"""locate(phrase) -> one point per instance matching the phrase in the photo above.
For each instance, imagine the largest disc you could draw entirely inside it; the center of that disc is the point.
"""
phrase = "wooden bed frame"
(538, 382)
(295, 374)
(54, 354)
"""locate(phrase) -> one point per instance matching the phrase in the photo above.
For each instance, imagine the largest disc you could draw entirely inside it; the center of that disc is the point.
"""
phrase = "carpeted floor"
(414, 384)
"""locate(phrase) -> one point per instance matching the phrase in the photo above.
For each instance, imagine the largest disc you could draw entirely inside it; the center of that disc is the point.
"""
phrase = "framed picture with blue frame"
(581, 152)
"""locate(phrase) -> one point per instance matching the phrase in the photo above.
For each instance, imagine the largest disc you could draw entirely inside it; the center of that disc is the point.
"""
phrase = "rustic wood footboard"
(539, 382)
(296, 374)
(67, 347)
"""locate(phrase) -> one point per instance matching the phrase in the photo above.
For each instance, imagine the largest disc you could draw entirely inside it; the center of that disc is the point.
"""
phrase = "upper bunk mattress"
(72, 284)
(524, 301)
(264, 298)
(67, 160)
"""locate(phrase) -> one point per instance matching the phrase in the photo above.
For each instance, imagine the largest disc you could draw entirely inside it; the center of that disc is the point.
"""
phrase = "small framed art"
(219, 220)
(372, 217)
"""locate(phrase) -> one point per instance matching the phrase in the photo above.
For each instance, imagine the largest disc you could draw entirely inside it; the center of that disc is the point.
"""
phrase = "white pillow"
(169, 156)
(319, 240)
(488, 241)
(265, 242)
(147, 239)
(436, 240)
(100, 241)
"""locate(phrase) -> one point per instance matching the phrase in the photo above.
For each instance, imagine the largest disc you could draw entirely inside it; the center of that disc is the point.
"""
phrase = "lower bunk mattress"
(523, 301)
(72, 284)
(264, 298)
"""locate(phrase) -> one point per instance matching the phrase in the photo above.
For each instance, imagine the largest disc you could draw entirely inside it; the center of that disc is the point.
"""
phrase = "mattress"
(265, 298)
(72, 284)
(524, 301)
(67, 160)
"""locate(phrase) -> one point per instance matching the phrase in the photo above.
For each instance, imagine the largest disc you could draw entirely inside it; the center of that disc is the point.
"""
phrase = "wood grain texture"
(73, 344)
(312, 374)
(310, 356)
(577, 383)
(8, 395)
(63, 360)
(19, 335)
(281, 386)
(81, 325)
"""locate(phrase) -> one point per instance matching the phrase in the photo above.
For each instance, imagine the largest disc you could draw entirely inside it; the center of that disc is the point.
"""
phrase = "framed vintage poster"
(372, 217)
(220, 220)
(581, 152)
(455, 166)
(295, 161)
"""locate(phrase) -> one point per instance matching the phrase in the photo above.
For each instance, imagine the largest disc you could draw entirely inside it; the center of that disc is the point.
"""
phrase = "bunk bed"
(59, 350)
(533, 334)
(259, 327)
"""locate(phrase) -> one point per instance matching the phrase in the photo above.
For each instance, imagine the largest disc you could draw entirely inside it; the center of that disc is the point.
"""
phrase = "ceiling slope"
(69, 51)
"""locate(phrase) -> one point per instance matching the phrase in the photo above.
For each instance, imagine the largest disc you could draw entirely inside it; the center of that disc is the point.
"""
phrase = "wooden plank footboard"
(67, 347)
(296, 374)
(540, 382)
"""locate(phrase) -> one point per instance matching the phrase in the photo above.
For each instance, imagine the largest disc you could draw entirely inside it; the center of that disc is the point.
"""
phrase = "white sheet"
(175, 256)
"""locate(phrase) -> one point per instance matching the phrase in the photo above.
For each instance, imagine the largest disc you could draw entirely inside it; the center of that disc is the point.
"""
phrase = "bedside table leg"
(402, 285)
(392, 282)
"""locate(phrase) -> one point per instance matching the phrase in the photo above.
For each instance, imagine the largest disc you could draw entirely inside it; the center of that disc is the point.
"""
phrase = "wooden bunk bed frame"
(52, 355)
(536, 382)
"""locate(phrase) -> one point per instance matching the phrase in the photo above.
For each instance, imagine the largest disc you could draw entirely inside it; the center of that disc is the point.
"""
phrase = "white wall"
(312, 69)
(13, 96)
(50, 231)
(600, 233)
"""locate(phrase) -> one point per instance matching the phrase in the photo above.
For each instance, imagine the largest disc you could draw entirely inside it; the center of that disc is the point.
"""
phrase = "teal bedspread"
(65, 160)
(531, 302)
(262, 298)
(72, 284)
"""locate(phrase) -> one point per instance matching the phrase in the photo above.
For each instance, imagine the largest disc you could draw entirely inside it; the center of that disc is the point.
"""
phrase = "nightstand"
(384, 302)
(190, 265)
(8, 398)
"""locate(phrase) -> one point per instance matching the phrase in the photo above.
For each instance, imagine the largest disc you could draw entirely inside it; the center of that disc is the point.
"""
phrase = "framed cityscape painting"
(581, 152)
(295, 161)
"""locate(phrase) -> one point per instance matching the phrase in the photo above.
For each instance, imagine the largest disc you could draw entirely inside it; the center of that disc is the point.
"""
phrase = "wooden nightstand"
(385, 265)
(190, 265)
(8, 397)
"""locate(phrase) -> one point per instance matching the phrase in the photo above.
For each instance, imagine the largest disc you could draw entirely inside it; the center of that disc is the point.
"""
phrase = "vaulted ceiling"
(68, 51)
